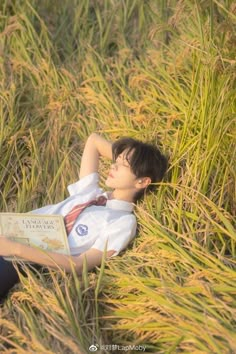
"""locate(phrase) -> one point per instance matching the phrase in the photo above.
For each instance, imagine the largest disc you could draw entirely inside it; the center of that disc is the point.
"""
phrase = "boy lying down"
(94, 219)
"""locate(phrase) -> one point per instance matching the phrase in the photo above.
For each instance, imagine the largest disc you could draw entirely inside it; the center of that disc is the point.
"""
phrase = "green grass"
(161, 71)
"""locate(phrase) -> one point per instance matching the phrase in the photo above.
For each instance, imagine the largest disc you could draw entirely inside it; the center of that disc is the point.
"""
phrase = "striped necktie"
(71, 217)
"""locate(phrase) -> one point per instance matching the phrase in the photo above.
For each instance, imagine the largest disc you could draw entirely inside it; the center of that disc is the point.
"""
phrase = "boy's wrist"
(18, 250)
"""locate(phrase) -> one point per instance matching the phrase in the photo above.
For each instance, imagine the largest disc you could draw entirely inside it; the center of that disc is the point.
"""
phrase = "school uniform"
(114, 223)
(112, 226)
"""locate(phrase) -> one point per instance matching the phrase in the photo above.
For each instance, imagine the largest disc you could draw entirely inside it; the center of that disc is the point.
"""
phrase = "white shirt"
(114, 224)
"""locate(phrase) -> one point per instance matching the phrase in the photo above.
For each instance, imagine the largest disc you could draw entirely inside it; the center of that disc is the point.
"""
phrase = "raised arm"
(95, 147)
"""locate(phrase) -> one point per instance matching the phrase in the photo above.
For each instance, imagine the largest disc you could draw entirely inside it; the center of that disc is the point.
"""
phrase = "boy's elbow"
(90, 259)
(93, 136)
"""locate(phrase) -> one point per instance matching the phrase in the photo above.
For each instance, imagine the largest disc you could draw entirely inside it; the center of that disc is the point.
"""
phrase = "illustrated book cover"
(44, 231)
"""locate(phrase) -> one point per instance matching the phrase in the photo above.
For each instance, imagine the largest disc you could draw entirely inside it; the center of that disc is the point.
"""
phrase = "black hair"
(145, 160)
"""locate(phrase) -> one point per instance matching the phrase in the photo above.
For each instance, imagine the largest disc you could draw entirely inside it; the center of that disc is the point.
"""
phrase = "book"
(44, 231)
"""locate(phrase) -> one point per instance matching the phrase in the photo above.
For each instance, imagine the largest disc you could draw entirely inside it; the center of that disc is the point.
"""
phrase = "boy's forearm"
(91, 258)
(95, 147)
(102, 145)
(48, 259)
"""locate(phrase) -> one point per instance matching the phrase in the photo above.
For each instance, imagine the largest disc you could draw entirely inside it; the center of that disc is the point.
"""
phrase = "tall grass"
(158, 71)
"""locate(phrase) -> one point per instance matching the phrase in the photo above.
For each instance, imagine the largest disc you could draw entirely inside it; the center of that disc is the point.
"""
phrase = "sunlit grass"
(158, 71)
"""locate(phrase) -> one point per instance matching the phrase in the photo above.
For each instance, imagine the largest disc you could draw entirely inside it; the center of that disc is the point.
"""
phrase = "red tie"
(71, 217)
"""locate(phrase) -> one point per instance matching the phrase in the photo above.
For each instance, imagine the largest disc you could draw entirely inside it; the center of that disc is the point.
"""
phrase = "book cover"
(44, 231)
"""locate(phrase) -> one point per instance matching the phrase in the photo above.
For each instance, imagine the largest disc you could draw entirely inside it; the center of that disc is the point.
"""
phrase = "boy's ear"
(143, 182)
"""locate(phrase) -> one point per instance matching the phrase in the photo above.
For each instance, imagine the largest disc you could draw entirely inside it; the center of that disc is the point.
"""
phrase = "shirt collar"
(118, 204)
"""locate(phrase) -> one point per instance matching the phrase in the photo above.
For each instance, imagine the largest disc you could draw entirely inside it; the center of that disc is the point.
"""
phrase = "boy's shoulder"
(85, 185)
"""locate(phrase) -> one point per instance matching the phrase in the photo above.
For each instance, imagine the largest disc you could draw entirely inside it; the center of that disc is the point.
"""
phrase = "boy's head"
(145, 160)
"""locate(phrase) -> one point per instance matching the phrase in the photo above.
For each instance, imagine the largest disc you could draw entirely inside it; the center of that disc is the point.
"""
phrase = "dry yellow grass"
(158, 71)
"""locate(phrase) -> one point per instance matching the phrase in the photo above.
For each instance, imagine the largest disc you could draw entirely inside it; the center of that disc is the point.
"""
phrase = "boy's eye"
(125, 163)
(123, 160)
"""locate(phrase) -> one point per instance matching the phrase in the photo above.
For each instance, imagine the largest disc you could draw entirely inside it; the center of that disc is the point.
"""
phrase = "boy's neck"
(121, 195)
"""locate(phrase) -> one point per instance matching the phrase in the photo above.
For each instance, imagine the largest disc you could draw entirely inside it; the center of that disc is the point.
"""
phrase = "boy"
(135, 166)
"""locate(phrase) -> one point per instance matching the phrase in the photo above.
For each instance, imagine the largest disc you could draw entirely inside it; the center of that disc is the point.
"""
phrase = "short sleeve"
(117, 234)
(84, 185)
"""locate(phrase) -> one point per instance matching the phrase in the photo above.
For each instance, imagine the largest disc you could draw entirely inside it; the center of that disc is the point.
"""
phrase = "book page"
(44, 231)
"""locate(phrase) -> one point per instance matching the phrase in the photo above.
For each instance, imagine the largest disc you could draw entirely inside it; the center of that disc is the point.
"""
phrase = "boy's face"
(120, 175)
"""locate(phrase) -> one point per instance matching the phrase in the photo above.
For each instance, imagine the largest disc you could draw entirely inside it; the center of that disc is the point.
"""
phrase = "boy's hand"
(7, 247)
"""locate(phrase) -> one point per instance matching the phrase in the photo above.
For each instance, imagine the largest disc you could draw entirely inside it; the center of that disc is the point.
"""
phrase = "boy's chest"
(90, 224)
(90, 221)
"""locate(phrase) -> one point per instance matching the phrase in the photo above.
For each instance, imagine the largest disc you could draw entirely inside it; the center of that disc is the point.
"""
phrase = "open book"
(44, 231)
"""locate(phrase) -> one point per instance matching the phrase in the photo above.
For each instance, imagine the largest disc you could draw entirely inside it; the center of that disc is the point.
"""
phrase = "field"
(160, 71)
